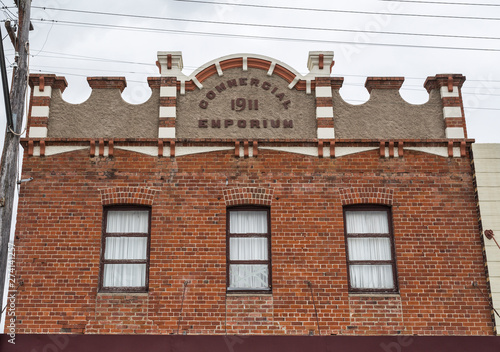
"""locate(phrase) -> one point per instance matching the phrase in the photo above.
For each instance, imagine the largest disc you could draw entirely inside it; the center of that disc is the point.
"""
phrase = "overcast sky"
(76, 39)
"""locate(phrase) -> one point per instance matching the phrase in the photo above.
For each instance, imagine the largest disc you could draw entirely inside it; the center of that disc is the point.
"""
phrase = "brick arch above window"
(366, 195)
(128, 195)
(248, 195)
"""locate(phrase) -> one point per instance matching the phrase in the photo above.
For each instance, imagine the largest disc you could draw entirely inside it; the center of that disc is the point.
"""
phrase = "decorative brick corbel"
(42, 148)
(332, 149)
(160, 148)
(172, 149)
(245, 149)
(111, 144)
(237, 149)
(255, 149)
(450, 149)
(30, 147)
(382, 149)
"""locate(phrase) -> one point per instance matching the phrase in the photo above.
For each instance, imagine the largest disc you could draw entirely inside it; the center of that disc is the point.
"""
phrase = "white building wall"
(487, 168)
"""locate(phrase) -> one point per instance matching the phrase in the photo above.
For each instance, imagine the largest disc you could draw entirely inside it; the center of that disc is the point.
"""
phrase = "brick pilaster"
(449, 86)
(324, 108)
(168, 107)
(42, 86)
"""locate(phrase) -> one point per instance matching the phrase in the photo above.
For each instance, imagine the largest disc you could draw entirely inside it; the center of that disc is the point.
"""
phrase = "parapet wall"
(247, 97)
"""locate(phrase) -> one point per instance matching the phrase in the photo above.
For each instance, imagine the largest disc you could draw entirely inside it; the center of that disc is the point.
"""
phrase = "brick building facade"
(249, 199)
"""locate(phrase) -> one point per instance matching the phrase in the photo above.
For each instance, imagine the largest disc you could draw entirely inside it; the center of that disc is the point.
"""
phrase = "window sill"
(251, 293)
(133, 294)
(375, 294)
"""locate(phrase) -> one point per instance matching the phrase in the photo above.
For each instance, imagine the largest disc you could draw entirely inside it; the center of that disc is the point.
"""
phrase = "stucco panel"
(104, 115)
(208, 104)
(386, 115)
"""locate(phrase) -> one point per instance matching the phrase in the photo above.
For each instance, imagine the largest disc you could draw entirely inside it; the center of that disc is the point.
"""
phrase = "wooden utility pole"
(10, 155)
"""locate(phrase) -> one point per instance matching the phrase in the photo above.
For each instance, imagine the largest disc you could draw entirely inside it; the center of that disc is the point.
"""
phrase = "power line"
(80, 75)
(8, 11)
(265, 25)
(93, 69)
(120, 27)
(340, 11)
(441, 3)
(92, 58)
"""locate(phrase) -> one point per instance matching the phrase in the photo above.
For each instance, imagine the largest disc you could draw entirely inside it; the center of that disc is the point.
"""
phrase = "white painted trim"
(343, 151)
(454, 132)
(39, 111)
(181, 151)
(38, 132)
(310, 151)
(452, 111)
(47, 91)
(324, 111)
(245, 63)
(452, 94)
(326, 133)
(168, 111)
(271, 68)
(198, 84)
(439, 151)
(323, 92)
(166, 132)
(152, 151)
(169, 92)
(36, 150)
(60, 149)
(244, 56)
(313, 63)
(308, 86)
(293, 83)
(219, 69)
(183, 87)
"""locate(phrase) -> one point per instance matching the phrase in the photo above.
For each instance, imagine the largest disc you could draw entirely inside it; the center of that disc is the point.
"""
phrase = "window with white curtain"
(125, 249)
(370, 249)
(249, 248)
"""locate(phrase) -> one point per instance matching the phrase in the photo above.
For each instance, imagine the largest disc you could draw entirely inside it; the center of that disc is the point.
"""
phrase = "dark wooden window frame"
(266, 235)
(124, 261)
(390, 235)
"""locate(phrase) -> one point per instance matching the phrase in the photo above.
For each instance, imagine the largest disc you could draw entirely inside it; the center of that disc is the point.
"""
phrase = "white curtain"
(124, 275)
(126, 248)
(248, 276)
(123, 248)
(366, 222)
(369, 248)
(371, 276)
(248, 221)
(245, 277)
(127, 221)
(248, 248)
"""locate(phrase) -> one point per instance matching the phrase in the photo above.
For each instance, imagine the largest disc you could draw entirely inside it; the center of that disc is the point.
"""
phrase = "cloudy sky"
(412, 38)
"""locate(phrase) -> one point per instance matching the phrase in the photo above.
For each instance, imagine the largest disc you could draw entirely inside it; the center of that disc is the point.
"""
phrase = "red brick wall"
(437, 240)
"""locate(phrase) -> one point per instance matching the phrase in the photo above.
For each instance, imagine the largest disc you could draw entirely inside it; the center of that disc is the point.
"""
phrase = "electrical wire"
(45, 42)
(441, 3)
(229, 35)
(268, 25)
(8, 11)
(340, 11)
